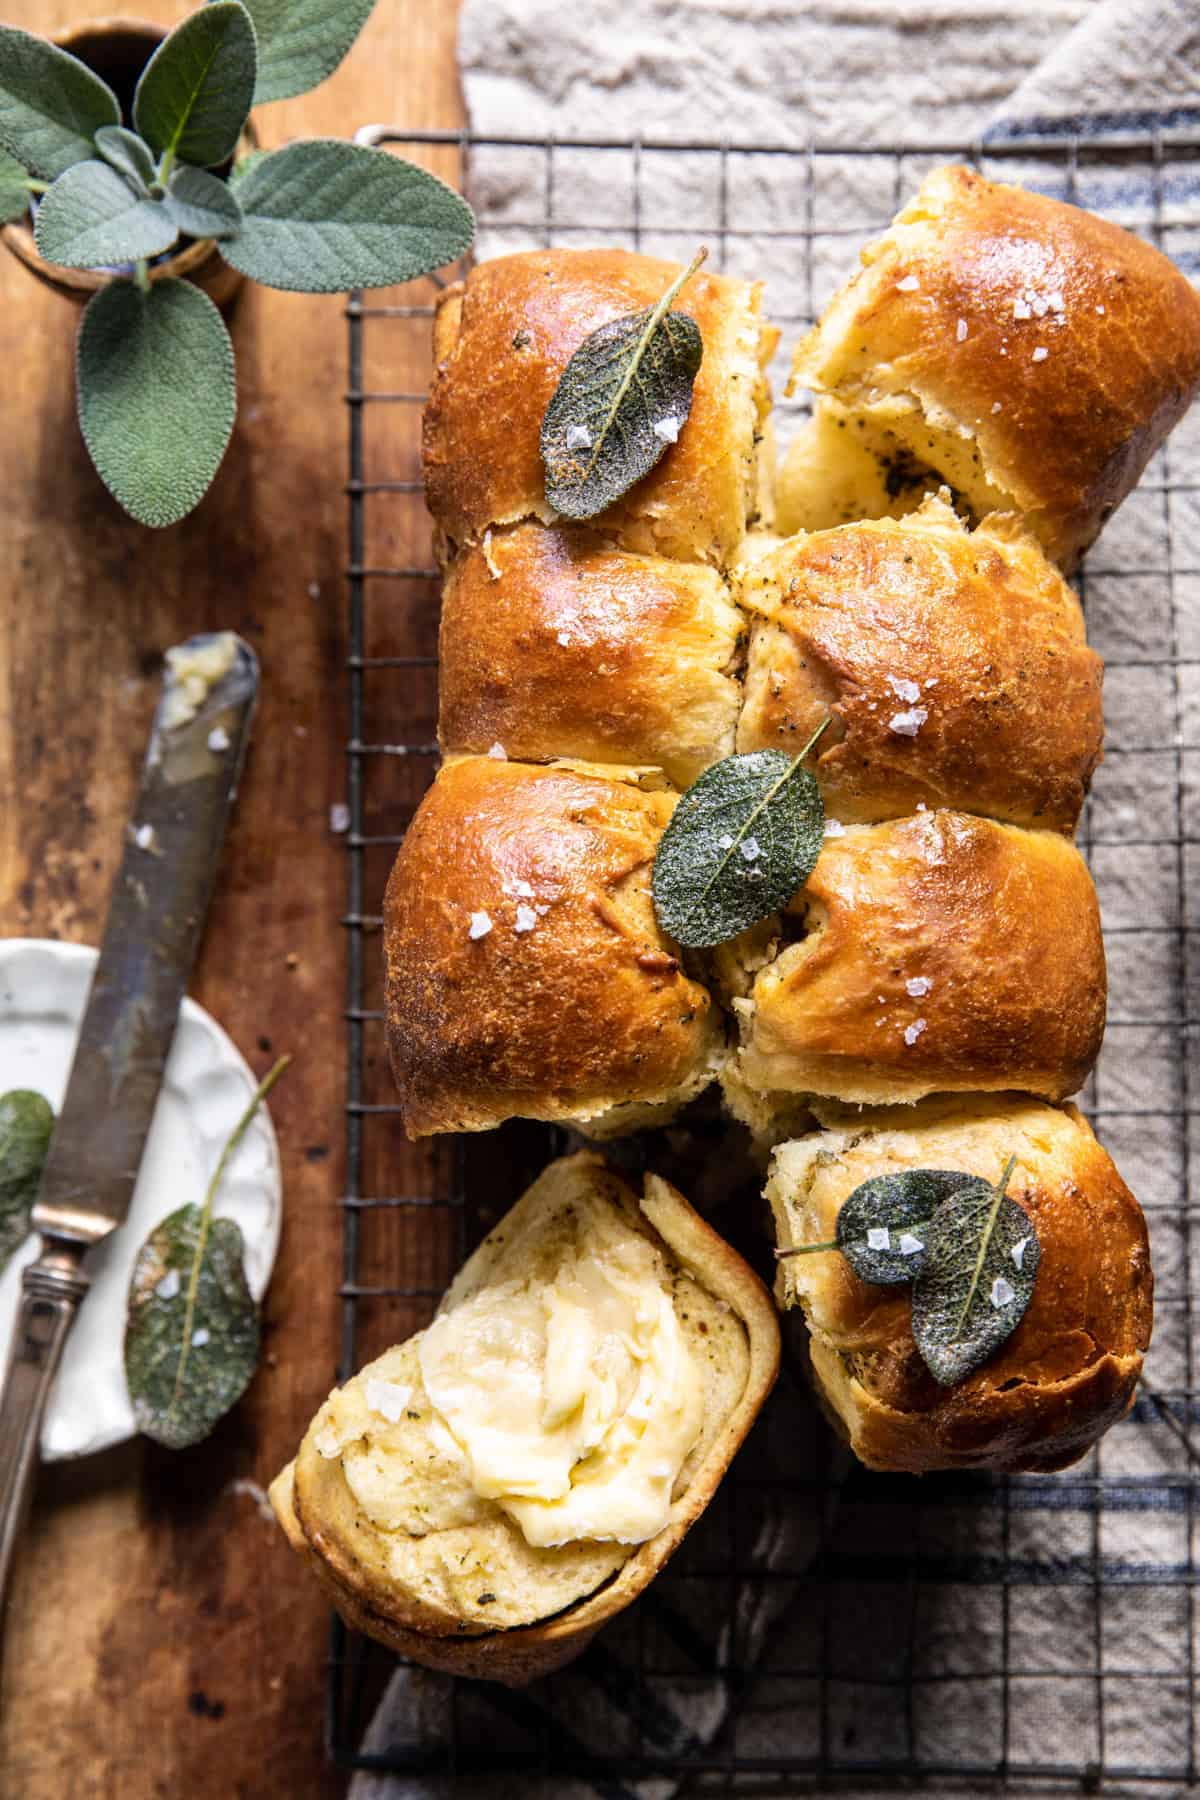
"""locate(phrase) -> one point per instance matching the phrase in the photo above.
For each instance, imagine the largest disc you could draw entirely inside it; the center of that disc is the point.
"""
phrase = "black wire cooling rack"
(822, 1626)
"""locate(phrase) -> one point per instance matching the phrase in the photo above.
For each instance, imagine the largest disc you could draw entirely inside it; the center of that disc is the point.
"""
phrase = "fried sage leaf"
(26, 1121)
(883, 1227)
(192, 1335)
(620, 403)
(742, 841)
(982, 1255)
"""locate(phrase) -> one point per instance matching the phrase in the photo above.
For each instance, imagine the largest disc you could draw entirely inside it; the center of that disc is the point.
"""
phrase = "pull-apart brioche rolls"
(554, 644)
(594, 1367)
(527, 975)
(934, 954)
(1026, 352)
(952, 664)
(1069, 1369)
(502, 340)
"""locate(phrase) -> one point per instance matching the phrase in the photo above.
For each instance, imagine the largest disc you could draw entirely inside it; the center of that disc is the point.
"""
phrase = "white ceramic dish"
(206, 1086)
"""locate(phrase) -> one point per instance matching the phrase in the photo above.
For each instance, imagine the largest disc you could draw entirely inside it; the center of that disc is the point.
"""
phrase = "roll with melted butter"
(486, 1494)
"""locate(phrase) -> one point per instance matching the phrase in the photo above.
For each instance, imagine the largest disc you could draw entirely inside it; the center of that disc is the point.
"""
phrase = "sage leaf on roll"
(620, 403)
(883, 1228)
(741, 843)
(970, 1253)
(26, 1122)
(982, 1257)
(192, 1331)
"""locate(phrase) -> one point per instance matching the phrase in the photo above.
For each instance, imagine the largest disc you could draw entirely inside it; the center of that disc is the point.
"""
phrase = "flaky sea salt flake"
(908, 285)
(526, 919)
(907, 724)
(1040, 354)
(480, 925)
(909, 1245)
(918, 986)
(1002, 1292)
(578, 437)
(667, 429)
(912, 1032)
(879, 1238)
(387, 1398)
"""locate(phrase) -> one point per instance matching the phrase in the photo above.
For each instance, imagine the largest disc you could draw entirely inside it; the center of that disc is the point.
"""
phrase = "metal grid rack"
(1040, 1632)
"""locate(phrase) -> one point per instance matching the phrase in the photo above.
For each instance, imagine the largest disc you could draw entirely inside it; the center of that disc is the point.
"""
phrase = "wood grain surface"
(160, 1639)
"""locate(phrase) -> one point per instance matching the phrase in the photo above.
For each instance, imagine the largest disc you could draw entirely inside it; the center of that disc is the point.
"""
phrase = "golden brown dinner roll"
(502, 339)
(526, 973)
(937, 953)
(1028, 353)
(952, 664)
(554, 644)
(592, 1370)
(1069, 1369)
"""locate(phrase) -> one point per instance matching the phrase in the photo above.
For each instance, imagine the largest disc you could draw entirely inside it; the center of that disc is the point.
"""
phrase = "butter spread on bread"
(381, 1499)
(575, 1404)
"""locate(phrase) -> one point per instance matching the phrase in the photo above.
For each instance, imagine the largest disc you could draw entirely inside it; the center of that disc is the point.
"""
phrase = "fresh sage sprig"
(620, 403)
(742, 841)
(26, 1122)
(192, 1336)
(154, 366)
(969, 1251)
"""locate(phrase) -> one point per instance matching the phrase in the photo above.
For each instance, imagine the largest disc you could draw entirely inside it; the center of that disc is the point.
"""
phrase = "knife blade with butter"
(156, 917)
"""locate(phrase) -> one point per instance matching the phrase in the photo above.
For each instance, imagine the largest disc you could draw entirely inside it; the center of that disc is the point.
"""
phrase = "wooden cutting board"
(161, 1641)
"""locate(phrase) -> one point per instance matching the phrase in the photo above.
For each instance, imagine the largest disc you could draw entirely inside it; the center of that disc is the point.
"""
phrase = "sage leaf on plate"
(196, 90)
(322, 216)
(156, 394)
(26, 1121)
(620, 403)
(51, 106)
(300, 42)
(883, 1226)
(201, 205)
(92, 219)
(129, 155)
(14, 189)
(982, 1255)
(192, 1332)
(743, 839)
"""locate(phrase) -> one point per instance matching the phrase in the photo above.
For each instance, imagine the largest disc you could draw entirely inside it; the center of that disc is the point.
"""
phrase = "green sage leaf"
(92, 219)
(197, 88)
(322, 216)
(742, 841)
(14, 189)
(620, 403)
(51, 106)
(883, 1226)
(982, 1254)
(156, 395)
(191, 1339)
(129, 155)
(192, 1335)
(200, 205)
(300, 42)
(26, 1122)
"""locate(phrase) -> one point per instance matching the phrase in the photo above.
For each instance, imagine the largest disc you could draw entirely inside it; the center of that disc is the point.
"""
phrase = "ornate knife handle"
(51, 1289)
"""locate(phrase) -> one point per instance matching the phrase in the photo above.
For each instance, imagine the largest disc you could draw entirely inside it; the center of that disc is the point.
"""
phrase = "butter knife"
(156, 916)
